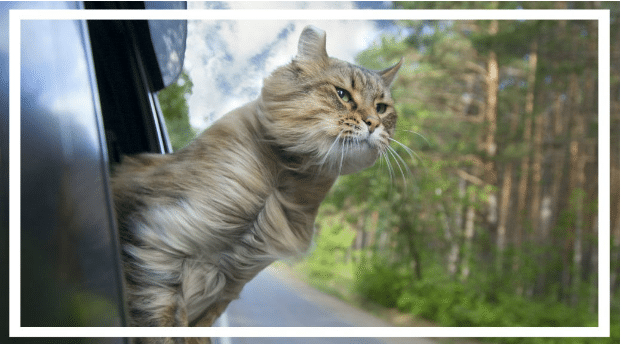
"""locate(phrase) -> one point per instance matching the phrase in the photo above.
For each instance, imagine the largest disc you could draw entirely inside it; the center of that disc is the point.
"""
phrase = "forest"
(486, 214)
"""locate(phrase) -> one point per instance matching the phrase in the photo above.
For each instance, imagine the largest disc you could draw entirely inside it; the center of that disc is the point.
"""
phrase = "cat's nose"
(372, 123)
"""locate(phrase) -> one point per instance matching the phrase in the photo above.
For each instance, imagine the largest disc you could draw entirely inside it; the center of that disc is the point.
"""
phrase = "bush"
(441, 299)
(448, 302)
(379, 282)
(332, 242)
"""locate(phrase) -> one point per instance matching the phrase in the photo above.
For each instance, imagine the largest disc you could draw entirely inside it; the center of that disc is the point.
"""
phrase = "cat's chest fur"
(212, 216)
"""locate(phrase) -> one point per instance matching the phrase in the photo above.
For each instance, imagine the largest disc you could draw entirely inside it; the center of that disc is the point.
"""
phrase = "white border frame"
(603, 329)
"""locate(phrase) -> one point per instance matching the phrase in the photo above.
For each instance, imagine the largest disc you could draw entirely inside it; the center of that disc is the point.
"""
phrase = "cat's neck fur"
(242, 134)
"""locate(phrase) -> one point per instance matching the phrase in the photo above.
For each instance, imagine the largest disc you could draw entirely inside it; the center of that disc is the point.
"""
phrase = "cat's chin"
(350, 156)
(353, 168)
(359, 159)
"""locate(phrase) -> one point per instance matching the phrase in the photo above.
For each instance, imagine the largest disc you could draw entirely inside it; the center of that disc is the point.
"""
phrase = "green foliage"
(379, 281)
(175, 111)
(442, 299)
(384, 55)
(332, 241)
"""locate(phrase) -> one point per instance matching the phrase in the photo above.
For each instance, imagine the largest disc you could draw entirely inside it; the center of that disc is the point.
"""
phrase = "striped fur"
(198, 224)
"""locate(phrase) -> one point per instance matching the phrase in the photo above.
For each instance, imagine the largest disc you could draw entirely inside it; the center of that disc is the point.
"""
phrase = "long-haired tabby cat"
(198, 224)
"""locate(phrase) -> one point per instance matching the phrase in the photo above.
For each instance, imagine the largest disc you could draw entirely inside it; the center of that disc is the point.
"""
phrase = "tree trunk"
(504, 209)
(469, 232)
(490, 143)
(451, 239)
(459, 220)
(577, 187)
(531, 80)
(559, 152)
(524, 174)
(537, 174)
(589, 260)
(593, 302)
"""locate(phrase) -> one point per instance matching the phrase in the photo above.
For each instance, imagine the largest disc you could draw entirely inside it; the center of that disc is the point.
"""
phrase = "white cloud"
(227, 60)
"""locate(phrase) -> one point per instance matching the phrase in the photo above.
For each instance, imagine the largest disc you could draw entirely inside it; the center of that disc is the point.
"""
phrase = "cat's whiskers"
(418, 134)
(410, 152)
(323, 161)
(396, 156)
(389, 166)
(343, 153)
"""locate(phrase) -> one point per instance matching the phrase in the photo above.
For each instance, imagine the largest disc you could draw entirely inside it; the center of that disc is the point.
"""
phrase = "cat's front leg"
(161, 307)
(157, 306)
(208, 318)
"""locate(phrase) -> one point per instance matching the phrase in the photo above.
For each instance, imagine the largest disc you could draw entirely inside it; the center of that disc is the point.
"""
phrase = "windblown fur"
(198, 224)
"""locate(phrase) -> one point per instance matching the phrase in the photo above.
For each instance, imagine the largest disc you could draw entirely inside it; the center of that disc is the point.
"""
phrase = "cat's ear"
(389, 74)
(312, 45)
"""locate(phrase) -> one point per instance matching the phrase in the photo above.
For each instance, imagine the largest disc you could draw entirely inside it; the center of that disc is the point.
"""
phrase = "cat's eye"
(344, 95)
(381, 108)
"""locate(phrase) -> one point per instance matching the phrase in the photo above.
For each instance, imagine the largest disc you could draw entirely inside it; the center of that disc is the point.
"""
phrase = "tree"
(175, 111)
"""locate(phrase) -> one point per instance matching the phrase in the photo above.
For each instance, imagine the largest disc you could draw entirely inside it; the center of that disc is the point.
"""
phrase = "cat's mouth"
(365, 144)
(351, 154)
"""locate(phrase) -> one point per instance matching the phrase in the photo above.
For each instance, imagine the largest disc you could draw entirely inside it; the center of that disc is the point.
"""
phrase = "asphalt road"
(274, 299)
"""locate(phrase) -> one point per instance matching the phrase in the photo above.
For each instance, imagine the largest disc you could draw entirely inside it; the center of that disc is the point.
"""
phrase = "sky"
(228, 60)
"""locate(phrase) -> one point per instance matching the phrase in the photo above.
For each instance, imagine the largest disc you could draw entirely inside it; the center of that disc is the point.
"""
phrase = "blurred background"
(488, 216)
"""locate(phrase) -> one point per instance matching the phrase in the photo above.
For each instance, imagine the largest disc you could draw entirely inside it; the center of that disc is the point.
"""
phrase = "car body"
(88, 96)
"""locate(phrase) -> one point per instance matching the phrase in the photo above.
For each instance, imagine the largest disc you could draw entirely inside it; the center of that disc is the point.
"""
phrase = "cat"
(198, 224)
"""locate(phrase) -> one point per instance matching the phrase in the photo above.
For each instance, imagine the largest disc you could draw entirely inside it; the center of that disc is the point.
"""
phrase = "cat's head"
(329, 112)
